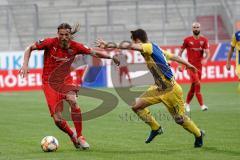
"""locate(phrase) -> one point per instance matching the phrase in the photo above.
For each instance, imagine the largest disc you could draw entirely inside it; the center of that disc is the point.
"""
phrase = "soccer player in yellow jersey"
(235, 43)
(165, 89)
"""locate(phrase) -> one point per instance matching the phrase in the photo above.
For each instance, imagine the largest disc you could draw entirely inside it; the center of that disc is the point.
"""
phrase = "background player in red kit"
(196, 45)
(123, 67)
(59, 53)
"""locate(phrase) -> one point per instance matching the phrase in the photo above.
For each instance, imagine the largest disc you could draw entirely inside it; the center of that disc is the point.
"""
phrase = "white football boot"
(83, 143)
(204, 108)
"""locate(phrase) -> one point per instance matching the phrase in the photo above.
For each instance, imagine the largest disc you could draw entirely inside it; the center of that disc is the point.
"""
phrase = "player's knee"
(134, 108)
(179, 120)
(71, 99)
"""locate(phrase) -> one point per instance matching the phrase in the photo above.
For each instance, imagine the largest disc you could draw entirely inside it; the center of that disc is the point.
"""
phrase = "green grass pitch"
(24, 121)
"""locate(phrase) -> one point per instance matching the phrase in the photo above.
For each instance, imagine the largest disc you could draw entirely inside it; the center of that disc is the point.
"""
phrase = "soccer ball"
(49, 144)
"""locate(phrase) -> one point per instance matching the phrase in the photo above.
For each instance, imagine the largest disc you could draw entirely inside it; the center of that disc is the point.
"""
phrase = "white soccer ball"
(49, 144)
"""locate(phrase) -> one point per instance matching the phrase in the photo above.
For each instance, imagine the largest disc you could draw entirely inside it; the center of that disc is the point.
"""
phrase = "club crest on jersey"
(201, 43)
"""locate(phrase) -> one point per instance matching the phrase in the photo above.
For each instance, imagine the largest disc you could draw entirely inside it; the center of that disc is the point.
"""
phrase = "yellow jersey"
(156, 60)
(236, 44)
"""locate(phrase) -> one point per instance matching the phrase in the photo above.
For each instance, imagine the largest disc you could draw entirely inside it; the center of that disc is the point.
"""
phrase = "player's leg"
(55, 105)
(191, 90)
(120, 75)
(190, 93)
(238, 74)
(60, 122)
(189, 97)
(127, 73)
(175, 105)
(140, 108)
(76, 116)
(75, 112)
(63, 125)
(198, 91)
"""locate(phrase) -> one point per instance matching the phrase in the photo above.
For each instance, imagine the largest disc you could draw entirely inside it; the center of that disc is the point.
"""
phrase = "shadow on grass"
(222, 151)
(133, 152)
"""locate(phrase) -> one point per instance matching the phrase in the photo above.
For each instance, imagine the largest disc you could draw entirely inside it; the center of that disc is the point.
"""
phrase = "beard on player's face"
(64, 36)
(64, 43)
(196, 32)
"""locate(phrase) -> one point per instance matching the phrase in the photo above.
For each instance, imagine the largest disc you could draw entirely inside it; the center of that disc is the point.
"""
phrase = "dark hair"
(64, 26)
(76, 27)
(139, 34)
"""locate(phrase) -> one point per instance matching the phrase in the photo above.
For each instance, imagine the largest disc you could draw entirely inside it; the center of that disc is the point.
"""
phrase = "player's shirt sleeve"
(206, 45)
(44, 44)
(185, 44)
(167, 54)
(233, 41)
(82, 49)
(147, 48)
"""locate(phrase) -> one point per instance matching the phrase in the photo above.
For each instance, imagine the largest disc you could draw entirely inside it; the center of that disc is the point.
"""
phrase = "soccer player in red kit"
(123, 67)
(196, 45)
(59, 53)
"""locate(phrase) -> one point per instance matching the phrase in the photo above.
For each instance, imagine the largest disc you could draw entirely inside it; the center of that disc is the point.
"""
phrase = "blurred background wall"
(166, 21)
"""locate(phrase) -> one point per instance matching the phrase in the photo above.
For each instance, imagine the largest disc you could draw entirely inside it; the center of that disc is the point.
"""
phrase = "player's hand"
(191, 67)
(100, 43)
(180, 68)
(23, 71)
(228, 66)
(116, 60)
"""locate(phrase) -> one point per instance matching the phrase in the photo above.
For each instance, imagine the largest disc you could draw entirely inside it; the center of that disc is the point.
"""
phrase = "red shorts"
(55, 97)
(123, 69)
(195, 76)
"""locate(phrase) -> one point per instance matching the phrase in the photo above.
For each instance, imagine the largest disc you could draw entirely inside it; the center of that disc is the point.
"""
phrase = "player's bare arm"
(180, 66)
(230, 54)
(132, 46)
(181, 52)
(101, 54)
(206, 56)
(182, 61)
(27, 53)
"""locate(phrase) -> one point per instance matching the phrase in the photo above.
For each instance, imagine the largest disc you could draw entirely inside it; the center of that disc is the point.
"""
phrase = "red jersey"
(57, 61)
(195, 49)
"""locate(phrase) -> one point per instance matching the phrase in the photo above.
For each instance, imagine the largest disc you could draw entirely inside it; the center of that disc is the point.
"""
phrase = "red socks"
(62, 124)
(198, 94)
(190, 94)
(77, 120)
(195, 88)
